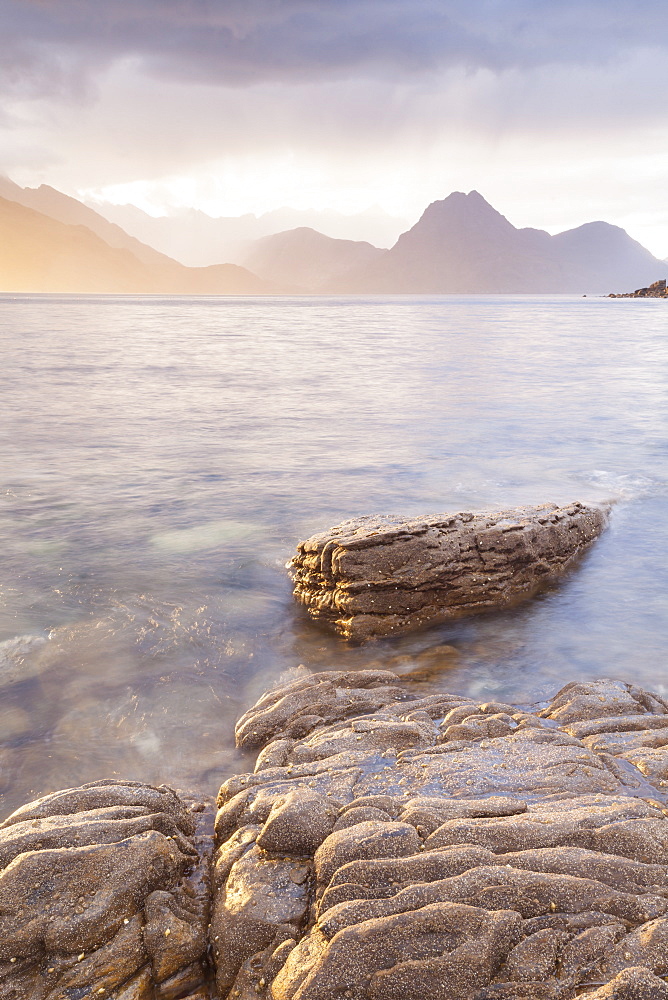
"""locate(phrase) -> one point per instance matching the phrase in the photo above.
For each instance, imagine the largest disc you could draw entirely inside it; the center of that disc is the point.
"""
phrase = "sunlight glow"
(250, 186)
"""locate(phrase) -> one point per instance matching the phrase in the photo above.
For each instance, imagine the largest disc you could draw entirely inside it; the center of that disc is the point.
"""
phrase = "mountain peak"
(459, 215)
(463, 245)
(460, 245)
(472, 199)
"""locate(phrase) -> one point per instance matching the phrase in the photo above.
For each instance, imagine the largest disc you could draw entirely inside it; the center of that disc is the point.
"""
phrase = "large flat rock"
(394, 847)
(383, 575)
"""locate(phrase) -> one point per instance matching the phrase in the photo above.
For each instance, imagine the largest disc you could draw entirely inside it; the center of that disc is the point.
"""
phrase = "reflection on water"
(161, 457)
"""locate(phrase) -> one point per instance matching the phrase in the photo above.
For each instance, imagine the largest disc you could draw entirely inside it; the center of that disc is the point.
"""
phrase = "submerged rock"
(384, 575)
(103, 892)
(21, 659)
(392, 847)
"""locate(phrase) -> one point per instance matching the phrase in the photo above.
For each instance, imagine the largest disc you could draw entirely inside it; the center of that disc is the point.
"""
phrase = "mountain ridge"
(62, 207)
(462, 245)
(459, 245)
(196, 239)
(307, 259)
(40, 253)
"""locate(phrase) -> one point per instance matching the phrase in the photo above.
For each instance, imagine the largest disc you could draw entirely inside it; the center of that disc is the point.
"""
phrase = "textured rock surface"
(395, 847)
(388, 846)
(104, 892)
(384, 575)
(631, 984)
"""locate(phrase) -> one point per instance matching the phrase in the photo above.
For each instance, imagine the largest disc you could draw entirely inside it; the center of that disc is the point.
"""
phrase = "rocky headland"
(388, 846)
(384, 575)
(657, 290)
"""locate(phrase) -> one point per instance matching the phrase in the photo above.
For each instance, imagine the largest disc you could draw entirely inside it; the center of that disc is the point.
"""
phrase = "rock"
(103, 891)
(600, 700)
(378, 855)
(442, 952)
(392, 847)
(15, 723)
(300, 707)
(647, 946)
(297, 824)
(636, 983)
(657, 290)
(263, 903)
(365, 840)
(383, 575)
(21, 659)
(618, 742)
(535, 957)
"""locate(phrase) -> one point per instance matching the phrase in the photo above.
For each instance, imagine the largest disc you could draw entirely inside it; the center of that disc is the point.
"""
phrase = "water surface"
(160, 457)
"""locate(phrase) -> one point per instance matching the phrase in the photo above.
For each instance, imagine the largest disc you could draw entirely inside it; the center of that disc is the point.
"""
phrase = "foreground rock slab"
(104, 892)
(384, 575)
(390, 846)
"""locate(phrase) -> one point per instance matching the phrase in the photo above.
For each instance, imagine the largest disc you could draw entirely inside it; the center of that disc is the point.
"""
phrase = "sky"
(555, 110)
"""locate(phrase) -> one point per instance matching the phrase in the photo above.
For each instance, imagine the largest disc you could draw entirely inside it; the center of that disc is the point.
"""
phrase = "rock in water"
(103, 893)
(390, 846)
(382, 575)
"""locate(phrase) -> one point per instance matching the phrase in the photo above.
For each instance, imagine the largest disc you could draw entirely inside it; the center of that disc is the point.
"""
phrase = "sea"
(161, 457)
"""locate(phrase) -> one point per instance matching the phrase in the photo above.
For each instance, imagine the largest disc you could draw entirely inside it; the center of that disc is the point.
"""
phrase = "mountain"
(68, 210)
(51, 242)
(307, 260)
(463, 245)
(163, 270)
(40, 253)
(607, 258)
(196, 239)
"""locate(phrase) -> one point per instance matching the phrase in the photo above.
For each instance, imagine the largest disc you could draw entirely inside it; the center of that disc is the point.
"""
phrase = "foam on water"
(625, 486)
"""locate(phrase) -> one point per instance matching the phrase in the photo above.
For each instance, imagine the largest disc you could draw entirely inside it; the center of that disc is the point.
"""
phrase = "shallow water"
(162, 456)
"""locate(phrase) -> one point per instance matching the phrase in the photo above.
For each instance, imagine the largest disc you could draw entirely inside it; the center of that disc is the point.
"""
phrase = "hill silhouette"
(41, 253)
(306, 259)
(50, 242)
(463, 245)
(197, 239)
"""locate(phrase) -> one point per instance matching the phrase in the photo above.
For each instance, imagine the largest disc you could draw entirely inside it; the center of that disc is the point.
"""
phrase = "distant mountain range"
(463, 245)
(197, 239)
(50, 242)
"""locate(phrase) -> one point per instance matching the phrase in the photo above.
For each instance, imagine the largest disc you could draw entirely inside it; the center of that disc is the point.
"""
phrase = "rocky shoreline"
(390, 844)
(657, 290)
(387, 846)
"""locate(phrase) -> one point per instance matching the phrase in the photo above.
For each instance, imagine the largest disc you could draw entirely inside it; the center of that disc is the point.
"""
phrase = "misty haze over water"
(162, 457)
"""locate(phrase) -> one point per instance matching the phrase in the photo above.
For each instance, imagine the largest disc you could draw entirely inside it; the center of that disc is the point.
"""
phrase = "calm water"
(160, 458)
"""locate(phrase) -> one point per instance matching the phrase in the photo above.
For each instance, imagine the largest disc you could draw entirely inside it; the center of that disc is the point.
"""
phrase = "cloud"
(244, 42)
(340, 102)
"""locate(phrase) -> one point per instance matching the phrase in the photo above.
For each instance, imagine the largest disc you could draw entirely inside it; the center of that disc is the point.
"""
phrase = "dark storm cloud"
(47, 43)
